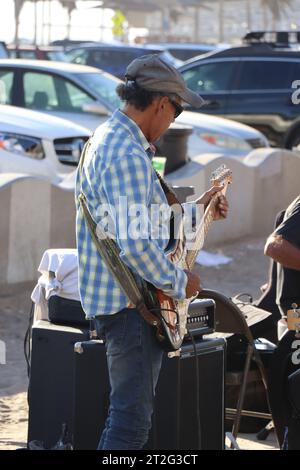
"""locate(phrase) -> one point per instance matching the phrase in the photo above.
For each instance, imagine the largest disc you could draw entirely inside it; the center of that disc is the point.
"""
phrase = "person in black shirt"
(283, 246)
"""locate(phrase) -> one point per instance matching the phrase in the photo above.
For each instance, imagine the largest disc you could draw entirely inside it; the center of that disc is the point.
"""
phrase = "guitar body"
(173, 313)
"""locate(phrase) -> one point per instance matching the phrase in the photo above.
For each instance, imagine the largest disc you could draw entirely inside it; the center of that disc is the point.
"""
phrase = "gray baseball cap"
(153, 74)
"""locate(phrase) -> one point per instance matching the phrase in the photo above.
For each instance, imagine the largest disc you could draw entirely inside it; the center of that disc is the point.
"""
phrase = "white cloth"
(212, 259)
(59, 276)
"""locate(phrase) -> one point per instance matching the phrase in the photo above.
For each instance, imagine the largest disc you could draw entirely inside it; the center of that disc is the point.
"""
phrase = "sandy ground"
(245, 273)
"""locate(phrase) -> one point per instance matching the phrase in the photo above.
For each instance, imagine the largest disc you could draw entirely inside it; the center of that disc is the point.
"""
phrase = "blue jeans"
(134, 359)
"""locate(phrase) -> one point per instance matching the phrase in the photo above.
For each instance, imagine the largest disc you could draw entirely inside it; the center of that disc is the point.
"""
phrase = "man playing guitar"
(117, 165)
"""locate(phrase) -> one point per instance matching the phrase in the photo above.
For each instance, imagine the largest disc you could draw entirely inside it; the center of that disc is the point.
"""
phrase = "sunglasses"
(178, 108)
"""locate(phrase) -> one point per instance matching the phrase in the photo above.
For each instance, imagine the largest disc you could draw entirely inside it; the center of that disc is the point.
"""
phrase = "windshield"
(104, 86)
(57, 55)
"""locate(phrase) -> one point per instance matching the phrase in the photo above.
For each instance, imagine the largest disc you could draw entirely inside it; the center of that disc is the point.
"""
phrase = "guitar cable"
(154, 422)
(152, 389)
(178, 403)
(197, 393)
(164, 310)
(27, 340)
(178, 386)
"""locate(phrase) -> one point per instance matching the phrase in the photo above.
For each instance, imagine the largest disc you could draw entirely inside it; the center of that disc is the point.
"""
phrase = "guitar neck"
(202, 230)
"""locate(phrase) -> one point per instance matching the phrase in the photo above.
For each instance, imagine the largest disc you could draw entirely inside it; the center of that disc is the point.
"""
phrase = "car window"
(6, 83)
(39, 91)
(265, 75)
(107, 58)
(78, 56)
(212, 77)
(53, 93)
(26, 54)
(105, 87)
(185, 54)
(77, 98)
(57, 55)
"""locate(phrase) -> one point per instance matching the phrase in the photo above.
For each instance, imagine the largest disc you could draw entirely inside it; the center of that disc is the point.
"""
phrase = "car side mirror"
(95, 108)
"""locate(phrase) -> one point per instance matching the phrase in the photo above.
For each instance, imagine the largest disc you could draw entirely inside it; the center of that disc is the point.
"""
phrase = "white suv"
(38, 144)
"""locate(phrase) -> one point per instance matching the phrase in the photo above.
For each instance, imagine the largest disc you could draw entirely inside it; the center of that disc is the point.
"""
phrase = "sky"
(86, 22)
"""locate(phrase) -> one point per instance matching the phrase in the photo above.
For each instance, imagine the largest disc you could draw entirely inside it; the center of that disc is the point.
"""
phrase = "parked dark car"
(68, 42)
(253, 84)
(185, 51)
(110, 57)
(87, 96)
(36, 52)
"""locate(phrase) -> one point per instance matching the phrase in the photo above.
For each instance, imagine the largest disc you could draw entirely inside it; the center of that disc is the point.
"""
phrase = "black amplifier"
(201, 317)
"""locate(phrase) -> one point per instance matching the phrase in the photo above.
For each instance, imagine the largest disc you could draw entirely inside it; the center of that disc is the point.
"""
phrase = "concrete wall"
(36, 215)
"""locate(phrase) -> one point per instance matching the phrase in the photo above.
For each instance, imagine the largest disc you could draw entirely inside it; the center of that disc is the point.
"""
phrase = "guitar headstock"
(221, 175)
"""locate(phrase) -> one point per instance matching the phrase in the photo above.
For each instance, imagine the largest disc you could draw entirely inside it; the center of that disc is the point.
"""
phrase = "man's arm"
(130, 176)
(283, 252)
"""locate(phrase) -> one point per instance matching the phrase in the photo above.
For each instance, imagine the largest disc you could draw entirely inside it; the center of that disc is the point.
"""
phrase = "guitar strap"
(110, 252)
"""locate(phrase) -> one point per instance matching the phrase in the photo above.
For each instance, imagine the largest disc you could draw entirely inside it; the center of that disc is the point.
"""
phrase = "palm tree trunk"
(277, 8)
(18, 8)
(265, 17)
(197, 25)
(274, 23)
(249, 16)
(69, 25)
(101, 23)
(221, 20)
(35, 22)
(49, 22)
(43, 22)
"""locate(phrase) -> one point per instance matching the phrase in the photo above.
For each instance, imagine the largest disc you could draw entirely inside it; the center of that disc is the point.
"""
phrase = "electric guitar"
(173, 313)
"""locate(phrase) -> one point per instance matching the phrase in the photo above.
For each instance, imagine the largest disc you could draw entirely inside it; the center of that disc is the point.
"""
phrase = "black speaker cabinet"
(189, 405)
(183, 382)
(51, 385)
(69, 385)
(91, 394)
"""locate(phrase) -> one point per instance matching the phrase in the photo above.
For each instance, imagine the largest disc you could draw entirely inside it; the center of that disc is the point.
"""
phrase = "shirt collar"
(135, 131)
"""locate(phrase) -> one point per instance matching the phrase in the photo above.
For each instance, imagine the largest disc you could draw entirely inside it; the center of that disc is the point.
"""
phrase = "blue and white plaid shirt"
(118, 163)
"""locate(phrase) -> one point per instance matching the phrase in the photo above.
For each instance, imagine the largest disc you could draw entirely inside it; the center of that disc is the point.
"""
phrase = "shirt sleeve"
(130, 178)
(289, 228)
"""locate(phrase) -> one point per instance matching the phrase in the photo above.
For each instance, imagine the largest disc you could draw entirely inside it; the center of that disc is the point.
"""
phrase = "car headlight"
(225, 141)
(31, 147)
